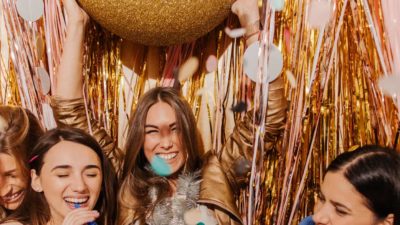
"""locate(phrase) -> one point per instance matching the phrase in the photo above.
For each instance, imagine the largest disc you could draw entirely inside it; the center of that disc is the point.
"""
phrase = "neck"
(55, 219)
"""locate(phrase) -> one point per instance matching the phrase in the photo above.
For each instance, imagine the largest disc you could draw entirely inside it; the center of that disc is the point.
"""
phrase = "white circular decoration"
(30, 10)
(211, 63)
(274, 66)
(44, 80)
(320, 12)
(390, 85)
(278, 5)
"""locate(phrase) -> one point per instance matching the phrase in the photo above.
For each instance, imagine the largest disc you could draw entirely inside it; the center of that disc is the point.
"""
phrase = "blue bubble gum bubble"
(160, 166)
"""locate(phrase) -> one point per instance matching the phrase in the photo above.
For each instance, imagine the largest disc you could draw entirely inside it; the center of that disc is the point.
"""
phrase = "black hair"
(374, 171)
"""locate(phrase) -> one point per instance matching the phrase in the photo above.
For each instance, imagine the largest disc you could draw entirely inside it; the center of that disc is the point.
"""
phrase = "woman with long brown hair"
(166, 177)
(19, 132)
(71, 182)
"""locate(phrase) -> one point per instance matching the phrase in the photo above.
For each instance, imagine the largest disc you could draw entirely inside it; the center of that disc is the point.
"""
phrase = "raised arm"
(69, 77)
(67, 102)
(239, 147)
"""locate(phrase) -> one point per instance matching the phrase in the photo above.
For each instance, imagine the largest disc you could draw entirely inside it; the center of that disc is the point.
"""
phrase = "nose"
(5, 189)
(166, 142)
(321, 215)
(78, 184)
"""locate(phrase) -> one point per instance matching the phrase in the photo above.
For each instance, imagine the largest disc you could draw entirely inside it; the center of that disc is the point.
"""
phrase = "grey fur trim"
(172, 210)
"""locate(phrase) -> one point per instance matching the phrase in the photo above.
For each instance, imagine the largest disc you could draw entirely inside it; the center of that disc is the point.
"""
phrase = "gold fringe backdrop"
(335, 104)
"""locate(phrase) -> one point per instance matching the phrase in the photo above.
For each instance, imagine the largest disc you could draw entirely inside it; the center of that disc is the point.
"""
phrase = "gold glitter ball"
(158, 22)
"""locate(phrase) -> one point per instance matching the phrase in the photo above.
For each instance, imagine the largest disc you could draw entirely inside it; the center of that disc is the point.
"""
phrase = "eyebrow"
(340, 205)
(156, 127)
(10, 172)
(69, 167)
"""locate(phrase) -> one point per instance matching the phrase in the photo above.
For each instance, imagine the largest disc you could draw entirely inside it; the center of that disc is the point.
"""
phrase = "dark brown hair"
(137, 180)
(374, 171)
(19, 132)
(34, 210)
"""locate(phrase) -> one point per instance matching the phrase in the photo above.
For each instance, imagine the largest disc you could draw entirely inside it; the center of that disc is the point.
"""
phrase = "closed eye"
(151, 131)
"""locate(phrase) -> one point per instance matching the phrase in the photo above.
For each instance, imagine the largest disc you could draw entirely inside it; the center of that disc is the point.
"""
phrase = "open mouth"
(74, 203)
(167, 156)
(13, 197)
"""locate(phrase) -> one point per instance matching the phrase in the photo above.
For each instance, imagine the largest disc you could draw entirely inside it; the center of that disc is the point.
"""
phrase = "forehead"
(160, 113)
(70, 153)
(338, 189)
(7, 162)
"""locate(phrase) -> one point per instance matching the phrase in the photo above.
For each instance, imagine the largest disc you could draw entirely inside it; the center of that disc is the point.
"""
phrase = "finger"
(84, 219)
(235, 7)
(81, 214)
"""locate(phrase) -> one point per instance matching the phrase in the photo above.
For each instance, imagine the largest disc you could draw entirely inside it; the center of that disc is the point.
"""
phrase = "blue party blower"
(307, 221)
(76, 205)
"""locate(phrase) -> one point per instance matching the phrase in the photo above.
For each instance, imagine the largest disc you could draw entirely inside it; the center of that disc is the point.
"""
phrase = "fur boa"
(173, 209)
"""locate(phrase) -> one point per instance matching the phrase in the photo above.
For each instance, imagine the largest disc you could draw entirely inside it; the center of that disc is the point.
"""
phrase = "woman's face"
(12, 183)
(162, 136)
(71, 176)
(341, 204)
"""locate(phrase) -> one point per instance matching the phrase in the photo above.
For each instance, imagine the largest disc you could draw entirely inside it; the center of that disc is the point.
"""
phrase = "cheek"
(95, 184)
(149, 145)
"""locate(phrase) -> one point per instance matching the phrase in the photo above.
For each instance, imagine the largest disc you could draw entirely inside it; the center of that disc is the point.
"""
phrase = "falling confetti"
(160, 166)
(278, 5)
(274, 66)
(390, 85)
(235, 33)
(44, 80)
(188, 69)
(211, 63)
(319, 13)
(290, 77)
(30, 10)
(240, 107)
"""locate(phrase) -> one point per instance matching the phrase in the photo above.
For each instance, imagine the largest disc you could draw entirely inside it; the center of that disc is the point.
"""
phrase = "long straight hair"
(136, 178)
(374, 171)
(34, 210)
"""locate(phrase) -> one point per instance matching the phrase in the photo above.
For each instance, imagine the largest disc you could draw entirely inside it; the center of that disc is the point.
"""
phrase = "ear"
(389, 220)
(36, 183)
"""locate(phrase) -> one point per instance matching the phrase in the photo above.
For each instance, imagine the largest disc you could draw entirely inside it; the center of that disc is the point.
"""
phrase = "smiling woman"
(71, 182)
(19, 132)
(361, 187)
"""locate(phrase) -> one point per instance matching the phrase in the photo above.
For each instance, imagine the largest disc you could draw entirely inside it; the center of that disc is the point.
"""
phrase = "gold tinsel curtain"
(334, 104)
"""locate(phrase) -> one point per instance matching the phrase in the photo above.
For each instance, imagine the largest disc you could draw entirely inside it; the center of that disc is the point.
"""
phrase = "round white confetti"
(211, 63)
(320, 12)
(30, 10)
(188, 68)
(274, 66)
(390, 85)
(278, 5)
(235, 33)
(44, 80)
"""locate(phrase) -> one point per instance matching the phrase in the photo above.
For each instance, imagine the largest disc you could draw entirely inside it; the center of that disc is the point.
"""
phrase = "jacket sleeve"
(238, 149)
(71, 112)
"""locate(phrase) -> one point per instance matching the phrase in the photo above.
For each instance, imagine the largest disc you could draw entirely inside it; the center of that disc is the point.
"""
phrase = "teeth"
(11, 197)
(76, 200)
(167, 156)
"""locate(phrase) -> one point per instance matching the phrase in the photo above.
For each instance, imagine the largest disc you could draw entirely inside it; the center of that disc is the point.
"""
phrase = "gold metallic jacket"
(220, 182)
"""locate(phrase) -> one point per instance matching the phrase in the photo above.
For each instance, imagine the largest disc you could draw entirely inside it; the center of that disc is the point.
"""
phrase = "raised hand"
(247, 11)
(74, 12)
(80, 216)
